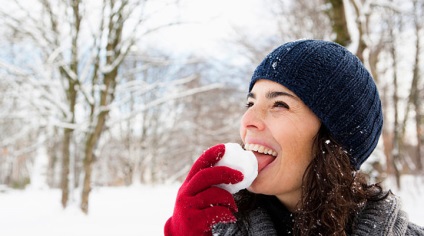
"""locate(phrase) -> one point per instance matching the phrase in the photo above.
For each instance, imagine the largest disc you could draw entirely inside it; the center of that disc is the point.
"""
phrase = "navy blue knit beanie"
(335, 85)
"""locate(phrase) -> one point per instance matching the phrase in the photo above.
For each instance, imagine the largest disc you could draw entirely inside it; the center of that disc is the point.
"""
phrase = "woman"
(313, 117)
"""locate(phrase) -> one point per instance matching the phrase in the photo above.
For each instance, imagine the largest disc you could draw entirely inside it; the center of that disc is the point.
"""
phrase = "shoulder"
(384, 217)
(414, 230)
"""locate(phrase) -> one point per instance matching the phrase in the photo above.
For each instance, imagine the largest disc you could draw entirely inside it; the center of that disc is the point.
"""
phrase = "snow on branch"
(165, 99)
(36, 85)
(387, 4)
(142, 85)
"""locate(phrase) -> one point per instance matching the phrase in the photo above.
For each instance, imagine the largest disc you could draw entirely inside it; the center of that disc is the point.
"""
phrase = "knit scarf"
(380, 218)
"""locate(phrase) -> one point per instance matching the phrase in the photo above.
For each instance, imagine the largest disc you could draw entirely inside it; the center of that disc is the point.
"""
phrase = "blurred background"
(120, 93)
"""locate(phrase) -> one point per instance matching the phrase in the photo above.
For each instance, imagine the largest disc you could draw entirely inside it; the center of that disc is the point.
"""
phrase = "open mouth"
(263, 154)
(260, 149)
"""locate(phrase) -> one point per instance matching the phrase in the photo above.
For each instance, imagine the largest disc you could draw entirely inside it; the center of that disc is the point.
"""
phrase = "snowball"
(239, 159)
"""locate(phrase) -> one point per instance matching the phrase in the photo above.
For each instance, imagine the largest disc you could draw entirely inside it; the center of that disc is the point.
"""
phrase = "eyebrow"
(274, 94)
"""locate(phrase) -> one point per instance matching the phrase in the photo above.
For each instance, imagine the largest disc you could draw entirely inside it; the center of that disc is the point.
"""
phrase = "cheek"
(242, 136)
(298, 136)
(242, 129)
(296, 146)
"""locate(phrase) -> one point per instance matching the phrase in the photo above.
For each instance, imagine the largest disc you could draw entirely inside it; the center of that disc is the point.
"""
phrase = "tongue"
(264, 160)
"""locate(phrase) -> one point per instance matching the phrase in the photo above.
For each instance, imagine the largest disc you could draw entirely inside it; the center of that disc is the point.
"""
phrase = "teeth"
(260, 149)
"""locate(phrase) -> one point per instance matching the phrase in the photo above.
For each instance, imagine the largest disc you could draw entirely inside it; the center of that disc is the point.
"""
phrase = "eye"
(249, 104)
(281, 104)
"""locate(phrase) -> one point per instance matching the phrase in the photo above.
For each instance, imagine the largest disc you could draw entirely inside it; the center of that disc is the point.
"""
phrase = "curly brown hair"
(333, 192)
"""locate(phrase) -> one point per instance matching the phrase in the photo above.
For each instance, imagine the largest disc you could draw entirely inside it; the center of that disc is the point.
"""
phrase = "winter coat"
(381, 218)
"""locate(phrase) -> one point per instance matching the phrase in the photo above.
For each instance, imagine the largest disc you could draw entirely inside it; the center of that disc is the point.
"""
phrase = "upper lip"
(260, 148)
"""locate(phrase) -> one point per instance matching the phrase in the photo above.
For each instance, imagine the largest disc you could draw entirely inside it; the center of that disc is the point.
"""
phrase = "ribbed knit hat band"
(335, 85)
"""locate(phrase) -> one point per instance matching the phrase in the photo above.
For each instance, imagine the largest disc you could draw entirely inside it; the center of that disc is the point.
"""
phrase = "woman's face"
(280, 129)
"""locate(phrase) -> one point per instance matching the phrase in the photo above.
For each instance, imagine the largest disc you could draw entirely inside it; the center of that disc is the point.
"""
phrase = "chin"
(254, 188)
(251, 189)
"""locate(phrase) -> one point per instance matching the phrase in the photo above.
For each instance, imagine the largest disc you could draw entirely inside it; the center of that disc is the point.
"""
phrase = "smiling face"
(280, 129)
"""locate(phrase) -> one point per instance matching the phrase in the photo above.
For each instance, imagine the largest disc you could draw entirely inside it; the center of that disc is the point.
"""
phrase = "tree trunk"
(64, 183)
(415, 92)
(67, 140)
(396, 136)
(339, 23)
(71, 95)
(88, 162)
(90, 144)
(106, 95)
(99, 121)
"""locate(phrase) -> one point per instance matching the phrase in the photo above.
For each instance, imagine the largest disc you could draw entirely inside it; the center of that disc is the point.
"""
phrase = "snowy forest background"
(119, 93)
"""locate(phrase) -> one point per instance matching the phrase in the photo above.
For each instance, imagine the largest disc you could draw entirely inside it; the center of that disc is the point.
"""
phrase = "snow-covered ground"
(131, 211)
(127, 211)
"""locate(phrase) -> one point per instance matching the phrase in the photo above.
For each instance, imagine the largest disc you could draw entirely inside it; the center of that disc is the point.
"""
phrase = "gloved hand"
(200, 204)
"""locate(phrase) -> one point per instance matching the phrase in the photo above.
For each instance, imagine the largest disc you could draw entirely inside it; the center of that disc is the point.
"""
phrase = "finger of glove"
(212, 176)
(215, 196)
(214, 215)
(209, 158)
(168, 229)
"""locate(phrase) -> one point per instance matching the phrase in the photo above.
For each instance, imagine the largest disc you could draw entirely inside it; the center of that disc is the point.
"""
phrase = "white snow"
(239, 159)
(126, 211)
(38, 177)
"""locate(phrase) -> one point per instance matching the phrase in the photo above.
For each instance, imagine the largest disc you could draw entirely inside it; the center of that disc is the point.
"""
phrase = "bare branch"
(165, 99)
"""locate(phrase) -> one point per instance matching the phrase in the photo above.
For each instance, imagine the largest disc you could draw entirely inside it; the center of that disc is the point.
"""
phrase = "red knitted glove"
(200, 204)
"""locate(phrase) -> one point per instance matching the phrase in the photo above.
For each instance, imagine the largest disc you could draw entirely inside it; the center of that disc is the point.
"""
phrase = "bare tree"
(395, 154)
(81, 57)
(17, 132)
(416, 94)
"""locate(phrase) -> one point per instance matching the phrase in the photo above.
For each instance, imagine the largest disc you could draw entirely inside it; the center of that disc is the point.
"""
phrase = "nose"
(253, 119)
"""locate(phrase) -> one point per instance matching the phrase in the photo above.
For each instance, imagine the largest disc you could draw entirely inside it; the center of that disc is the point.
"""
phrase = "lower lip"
(263, 160)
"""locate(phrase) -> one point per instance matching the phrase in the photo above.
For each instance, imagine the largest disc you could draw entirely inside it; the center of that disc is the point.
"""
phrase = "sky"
(208, 22)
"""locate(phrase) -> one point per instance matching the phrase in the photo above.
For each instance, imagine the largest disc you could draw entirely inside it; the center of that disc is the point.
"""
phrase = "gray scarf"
(381, 218)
